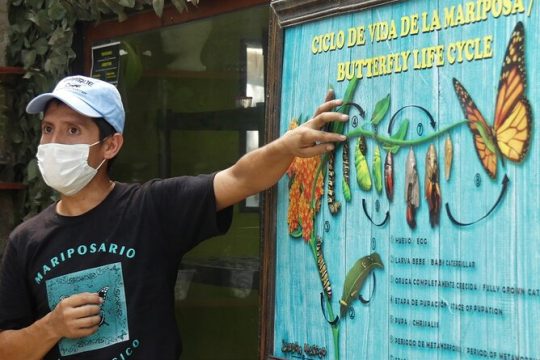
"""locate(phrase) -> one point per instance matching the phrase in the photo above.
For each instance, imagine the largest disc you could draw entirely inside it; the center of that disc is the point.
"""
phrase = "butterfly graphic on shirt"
(511, 131)
(103, 294)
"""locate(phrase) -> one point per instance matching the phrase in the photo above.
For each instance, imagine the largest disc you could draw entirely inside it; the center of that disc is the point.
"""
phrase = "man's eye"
(73, 131)
(46, 129)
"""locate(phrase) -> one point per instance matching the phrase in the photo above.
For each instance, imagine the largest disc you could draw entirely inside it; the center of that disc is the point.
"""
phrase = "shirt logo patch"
(108, 282)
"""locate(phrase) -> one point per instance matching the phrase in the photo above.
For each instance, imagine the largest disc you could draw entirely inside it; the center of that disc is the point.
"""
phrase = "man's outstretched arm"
(260, 169)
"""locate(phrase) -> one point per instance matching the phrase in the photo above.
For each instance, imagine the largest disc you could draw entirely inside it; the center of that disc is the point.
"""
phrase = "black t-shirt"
(127, 249)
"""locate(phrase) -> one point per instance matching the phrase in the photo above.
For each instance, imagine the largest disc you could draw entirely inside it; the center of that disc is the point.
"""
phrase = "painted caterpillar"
(323, 270)
(346, 172)
(362, 145)
(333, 205)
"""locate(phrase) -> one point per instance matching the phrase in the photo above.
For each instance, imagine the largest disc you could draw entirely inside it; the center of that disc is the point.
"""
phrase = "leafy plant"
(40, 40)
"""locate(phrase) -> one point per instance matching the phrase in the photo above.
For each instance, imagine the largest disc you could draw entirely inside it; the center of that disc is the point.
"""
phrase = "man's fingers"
(327, 106)
(316, 150)
(88, 322)
(330, 95)
(82, 299)
(86, 311)
(332, 138)
(327, 117)
(83, 332)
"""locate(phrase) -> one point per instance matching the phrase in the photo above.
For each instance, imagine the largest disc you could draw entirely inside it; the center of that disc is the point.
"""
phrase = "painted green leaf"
(296, 233)
(356, 277)
(381, 108)
(377, 169)
(400, 135)
(346, 190)
(487, 140)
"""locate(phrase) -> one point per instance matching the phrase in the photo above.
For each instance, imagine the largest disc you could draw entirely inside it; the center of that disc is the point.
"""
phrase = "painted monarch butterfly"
(511, 131)
(323, 270)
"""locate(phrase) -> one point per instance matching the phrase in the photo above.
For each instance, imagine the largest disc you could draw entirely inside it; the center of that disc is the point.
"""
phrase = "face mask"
(65, 167)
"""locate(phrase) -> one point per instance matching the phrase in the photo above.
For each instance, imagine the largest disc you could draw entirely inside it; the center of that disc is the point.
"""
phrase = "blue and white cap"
(88, 96)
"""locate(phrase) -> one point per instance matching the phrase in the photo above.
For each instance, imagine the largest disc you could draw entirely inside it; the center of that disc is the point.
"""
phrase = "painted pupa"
(448, 154)
(363, 176)
(412, 190)
(431, 186)
(389, 175)
(377, 169)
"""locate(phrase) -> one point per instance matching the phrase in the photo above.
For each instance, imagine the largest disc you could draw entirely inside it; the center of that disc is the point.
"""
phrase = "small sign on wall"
(106, 62)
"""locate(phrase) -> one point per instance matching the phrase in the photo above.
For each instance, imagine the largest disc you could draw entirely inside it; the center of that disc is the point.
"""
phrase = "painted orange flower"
(301, 174)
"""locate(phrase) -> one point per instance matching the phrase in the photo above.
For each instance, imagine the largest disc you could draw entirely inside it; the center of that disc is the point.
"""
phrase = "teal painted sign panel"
(436, 254)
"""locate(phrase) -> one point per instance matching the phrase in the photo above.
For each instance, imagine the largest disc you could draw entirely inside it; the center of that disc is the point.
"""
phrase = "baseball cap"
(88, 96)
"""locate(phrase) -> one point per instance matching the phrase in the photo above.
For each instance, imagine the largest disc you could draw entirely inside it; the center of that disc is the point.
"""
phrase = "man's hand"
(262, 168)
(76, 316)
(309, 139)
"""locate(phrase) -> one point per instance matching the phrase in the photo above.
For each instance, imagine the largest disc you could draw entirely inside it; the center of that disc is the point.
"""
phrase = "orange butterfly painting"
(511, 131)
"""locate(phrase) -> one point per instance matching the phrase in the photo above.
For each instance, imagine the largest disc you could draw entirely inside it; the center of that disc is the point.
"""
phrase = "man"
(92, 276)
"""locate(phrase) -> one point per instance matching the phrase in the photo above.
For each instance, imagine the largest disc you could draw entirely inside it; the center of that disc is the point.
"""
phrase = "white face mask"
(65, 167)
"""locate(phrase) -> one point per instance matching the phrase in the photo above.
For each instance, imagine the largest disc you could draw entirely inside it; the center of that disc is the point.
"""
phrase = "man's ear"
(113, 144)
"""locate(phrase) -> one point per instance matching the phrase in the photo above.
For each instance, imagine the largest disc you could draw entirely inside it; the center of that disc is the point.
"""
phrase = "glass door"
(194, 96)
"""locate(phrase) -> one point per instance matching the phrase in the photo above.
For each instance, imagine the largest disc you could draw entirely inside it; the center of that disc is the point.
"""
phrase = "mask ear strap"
(100, 164)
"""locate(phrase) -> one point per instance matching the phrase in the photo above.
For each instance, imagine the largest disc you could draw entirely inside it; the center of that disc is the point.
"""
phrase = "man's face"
(63, 125)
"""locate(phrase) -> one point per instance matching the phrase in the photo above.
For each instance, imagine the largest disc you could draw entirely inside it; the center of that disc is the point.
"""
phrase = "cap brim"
(38, 104)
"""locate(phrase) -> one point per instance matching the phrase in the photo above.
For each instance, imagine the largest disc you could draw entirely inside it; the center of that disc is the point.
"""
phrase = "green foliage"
(40, 40)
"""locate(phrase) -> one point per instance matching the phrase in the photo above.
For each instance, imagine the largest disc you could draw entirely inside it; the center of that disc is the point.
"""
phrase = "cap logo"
(81, 81)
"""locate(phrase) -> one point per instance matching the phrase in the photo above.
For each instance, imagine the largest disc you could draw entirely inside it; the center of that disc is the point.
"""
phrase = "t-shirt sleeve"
(15, 306)
(186, 207)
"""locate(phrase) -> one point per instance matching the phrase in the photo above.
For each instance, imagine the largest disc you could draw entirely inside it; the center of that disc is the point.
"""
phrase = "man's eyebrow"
(71, 121)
